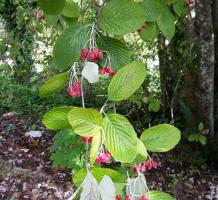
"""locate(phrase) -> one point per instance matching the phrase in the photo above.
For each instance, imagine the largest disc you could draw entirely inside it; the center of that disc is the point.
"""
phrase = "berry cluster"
(39, 16)
(140, 30)
(104, 158)
(147, 165)
(143, 197)
(95, 55)
(74, 89)
(107, 70)
(87, 139)
(189, 2)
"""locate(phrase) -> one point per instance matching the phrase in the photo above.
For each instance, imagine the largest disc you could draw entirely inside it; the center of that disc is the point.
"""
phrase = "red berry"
(107, 69)
(91, 56)
(100, 55)
(102, 71)
(96, 52)
(87, 139)
(144, 198)
(127, 197)
(111, 72)
(77, 85)
(85, 52)
(118, 197)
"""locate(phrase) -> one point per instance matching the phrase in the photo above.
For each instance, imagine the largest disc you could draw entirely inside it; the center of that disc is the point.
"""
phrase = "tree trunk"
(204, 30)
(215, 25)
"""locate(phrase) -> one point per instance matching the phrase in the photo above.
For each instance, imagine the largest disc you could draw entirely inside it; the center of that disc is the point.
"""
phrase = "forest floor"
(25, 170)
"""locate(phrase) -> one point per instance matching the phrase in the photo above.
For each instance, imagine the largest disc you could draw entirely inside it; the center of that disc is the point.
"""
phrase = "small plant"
(86, 55)
(200, 136)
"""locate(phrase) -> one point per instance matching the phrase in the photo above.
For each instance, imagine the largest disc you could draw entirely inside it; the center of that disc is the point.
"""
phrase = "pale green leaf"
(51, 7)
(141, 152)
(54, 84)
(119, 17)
(98, 173)
(95, 146)
(150, 32)
(121, 139)
(85, 121)
(57, 118)
(67, 48)
(156, 195)
(118, 52)
(166, 23)
(71, 9)
(161, 138)
(127, 80)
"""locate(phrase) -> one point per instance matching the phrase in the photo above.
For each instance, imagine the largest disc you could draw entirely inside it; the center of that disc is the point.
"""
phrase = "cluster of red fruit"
(189, 2)
(74, 90)
(39, 16)
(107, 70)
(93, 55)
(104, 158)
(140, 30)
(147, 165)
(87, 139)
(143, 197)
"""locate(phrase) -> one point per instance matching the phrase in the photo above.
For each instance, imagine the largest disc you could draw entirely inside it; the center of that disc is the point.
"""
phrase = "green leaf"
(85, 121)
(201, 127)
(161, 138)
(67, 48)
(120, 138)
(179, 7)
(119, 17)
(150, 32)
(119, 53)
(154, 104)
(193, 137)
(54, 84)
(156, 195)
(95, 146)
(71, 9)
(98, 173)
(153, 9)
(203, 139)
(51, 7)
(127, 80)
(141, 152)
(52, 20)
(57, 118)
(166, 23)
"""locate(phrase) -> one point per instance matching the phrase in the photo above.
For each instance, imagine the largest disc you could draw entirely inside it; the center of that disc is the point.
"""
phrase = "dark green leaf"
(68, 47)
(51, 7)
(119, 17)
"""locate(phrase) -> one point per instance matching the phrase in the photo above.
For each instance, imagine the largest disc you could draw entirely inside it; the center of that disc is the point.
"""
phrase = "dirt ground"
(25, 170)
